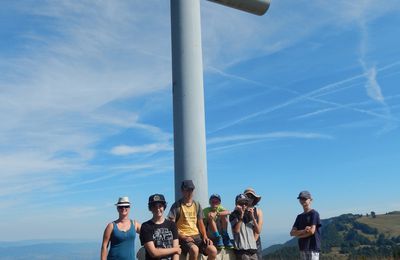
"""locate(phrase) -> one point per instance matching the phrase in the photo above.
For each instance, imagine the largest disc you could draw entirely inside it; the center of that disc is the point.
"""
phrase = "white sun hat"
(123, 201)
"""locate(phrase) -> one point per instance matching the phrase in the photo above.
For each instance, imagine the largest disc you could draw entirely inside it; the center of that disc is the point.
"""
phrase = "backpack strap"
(178, 210)
(255, 213)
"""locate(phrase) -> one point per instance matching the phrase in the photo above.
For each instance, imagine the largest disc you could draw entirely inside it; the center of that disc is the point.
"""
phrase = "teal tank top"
(122, 244)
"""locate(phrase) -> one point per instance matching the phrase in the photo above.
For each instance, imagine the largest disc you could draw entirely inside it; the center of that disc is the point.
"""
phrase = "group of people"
(191, 230)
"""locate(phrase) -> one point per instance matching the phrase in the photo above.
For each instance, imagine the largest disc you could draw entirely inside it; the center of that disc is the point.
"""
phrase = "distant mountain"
(350, 236)
(34, 250)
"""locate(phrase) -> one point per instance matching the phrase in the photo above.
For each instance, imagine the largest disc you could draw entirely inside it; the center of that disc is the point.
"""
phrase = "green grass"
(389, 224)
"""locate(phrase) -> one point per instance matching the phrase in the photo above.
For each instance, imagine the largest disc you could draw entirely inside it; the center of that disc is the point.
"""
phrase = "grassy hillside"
(352, 236)
(388, 224)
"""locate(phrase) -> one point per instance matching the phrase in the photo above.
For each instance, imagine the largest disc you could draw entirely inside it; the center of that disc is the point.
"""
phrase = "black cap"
(304, 195)
(156, 198)
(187, 185)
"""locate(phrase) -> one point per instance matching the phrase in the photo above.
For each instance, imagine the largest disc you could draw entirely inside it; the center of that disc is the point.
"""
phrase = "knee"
(224, 220)
(194, 250)
(212, 251)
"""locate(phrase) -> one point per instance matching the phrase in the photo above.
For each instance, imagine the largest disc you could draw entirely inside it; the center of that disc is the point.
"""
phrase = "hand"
(307, 229)
(208, 241)
(241, 209)
(212, 215)
(178, 250)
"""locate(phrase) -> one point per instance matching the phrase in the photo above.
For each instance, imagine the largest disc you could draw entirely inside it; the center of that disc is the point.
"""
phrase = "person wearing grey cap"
(307, 229)
(188, 216)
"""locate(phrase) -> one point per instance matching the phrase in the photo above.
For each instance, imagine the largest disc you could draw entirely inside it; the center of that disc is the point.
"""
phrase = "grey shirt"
(244, 240)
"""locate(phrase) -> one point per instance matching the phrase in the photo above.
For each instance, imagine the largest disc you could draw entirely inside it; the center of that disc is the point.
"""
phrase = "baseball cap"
(157, 198)
(187, 185)
(304, 195)
(215, 196)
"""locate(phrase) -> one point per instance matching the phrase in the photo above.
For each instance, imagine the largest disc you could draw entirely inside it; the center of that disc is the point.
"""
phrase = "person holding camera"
(244, 228)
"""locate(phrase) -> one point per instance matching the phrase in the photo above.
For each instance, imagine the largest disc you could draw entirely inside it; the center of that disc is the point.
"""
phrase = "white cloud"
(273, 135)
(148, 148)
(373, 89)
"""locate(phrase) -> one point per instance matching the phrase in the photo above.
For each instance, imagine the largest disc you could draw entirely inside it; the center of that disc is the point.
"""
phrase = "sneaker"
(227, 242)
(220, 243)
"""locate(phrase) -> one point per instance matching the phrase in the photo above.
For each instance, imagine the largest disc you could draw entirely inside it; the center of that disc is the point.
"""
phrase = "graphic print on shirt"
(163, 238)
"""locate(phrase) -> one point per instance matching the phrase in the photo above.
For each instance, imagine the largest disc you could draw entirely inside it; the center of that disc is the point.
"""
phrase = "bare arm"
(176, 245)
(224, 213)
(161, 252)
(236, 227)
(106, 241)
(203, 232)
(308, 231)
(137, 227)
(257, 224)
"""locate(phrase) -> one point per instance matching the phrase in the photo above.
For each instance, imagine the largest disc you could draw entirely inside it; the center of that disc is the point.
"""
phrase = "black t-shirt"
(161, 234)
(311, 243)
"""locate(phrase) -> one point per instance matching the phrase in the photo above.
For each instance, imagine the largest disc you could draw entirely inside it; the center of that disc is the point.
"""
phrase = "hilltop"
(351, 236)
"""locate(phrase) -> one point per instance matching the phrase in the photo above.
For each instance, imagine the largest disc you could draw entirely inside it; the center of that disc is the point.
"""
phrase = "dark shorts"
(246, 254)
(185, 246)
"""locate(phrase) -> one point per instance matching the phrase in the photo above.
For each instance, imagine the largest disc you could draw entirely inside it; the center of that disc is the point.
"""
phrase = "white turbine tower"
(188, 92)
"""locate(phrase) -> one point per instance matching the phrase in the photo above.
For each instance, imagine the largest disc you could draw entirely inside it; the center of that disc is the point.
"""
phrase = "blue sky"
(304, 97)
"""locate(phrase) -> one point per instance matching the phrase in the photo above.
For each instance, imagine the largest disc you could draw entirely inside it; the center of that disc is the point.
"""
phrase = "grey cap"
(304, 195)
(242, 199)
(187, 185)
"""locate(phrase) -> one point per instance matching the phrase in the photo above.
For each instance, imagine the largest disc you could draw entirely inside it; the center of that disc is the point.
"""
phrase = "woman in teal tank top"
(120, 234)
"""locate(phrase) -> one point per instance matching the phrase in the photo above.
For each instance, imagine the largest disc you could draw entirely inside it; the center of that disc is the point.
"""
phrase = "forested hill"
(351, 236)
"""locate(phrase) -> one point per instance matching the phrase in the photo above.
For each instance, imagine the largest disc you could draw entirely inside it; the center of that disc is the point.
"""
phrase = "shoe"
(220, 243)
(227, 242)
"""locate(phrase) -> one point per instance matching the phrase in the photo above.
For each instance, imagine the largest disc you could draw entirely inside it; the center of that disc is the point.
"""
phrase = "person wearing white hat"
(120, 234)
(254, 199)
(244, 229)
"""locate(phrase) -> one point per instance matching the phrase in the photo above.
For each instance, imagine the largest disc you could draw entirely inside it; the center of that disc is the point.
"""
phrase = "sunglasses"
(124, 207)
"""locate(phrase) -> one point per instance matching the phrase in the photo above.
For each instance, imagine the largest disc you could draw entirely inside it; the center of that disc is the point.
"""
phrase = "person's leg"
(254, 257)
(314, 255)
(193, 252)
(259, 248)
(216, 235)
(211, 252)
(303, 255)
(241, 256)
(189, 248)
(224, 223)
(224, 231)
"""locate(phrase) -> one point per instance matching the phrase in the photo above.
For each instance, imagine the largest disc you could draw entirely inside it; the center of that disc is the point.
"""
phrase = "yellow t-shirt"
(187, 222)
